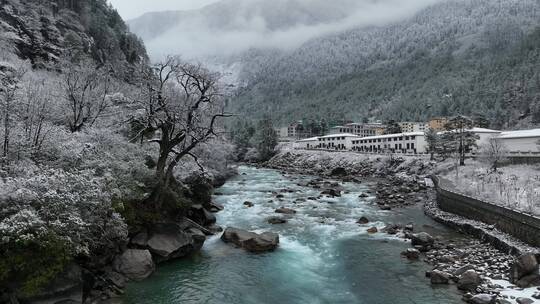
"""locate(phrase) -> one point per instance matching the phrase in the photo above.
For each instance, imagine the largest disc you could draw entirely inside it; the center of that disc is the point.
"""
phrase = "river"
(324, 255)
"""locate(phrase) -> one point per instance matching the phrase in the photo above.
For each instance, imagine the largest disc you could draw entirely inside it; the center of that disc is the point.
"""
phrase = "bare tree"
(86, 89)
(10, 77)
(37, 108)
(182, 105)
(494, 152)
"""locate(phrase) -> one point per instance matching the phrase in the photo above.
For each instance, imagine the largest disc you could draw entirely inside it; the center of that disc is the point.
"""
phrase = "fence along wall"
(521, 226)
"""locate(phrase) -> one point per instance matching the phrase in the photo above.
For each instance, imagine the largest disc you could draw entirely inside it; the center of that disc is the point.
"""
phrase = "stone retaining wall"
(522, 226)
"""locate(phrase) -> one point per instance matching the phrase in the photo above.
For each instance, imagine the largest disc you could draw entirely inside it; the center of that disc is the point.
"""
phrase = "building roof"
(308, 139)
(484, 130)
(474, 130)
(365, 124)
(394, 135)
(520, 134)
(339, 135)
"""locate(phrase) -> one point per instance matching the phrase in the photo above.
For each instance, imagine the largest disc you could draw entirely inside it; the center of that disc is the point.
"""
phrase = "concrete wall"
(521, 226)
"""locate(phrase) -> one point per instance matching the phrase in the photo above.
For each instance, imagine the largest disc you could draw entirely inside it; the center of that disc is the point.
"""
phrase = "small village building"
(341, 141)
(523, 142)
(339, 130)
(410, 143)
(438, 123)
(359, 129)
(366, 129)
(307, 144)
(409, 127)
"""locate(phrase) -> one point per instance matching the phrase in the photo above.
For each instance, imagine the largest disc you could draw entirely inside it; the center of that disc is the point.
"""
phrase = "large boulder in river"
(524, 265)
(135, 264)
(438, 277)
(169, 241)
(422, 240)
(469, 281)
(482, 298)
(201, 216)
(251, 241)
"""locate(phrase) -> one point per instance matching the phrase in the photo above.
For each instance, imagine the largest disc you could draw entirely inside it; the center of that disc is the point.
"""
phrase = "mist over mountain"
(230, 27)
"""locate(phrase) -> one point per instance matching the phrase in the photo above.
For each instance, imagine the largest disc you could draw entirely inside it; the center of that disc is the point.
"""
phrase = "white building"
(306, 144)
(485, 135)
(342, 141)
(411, 143)
(523, 142)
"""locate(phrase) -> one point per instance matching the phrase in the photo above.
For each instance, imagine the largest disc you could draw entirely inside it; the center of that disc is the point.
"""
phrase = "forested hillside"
(459, 56)
(85, 161)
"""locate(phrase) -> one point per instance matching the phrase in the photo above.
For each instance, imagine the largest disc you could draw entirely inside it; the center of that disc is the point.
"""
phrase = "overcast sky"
(130, 9)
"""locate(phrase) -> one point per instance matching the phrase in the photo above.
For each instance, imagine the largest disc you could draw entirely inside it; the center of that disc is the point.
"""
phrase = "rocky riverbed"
(471, 264)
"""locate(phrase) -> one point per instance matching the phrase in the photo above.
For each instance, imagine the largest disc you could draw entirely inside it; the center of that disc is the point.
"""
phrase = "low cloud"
(196, 38)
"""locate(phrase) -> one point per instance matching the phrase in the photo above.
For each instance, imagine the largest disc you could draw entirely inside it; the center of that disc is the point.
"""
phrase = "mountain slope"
(43, 32)
(470, 57)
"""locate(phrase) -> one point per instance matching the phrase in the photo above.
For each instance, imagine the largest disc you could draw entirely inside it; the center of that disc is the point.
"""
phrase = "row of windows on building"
(366, 141)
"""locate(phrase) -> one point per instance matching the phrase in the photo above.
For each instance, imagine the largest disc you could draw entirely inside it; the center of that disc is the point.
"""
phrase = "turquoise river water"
(323, 257)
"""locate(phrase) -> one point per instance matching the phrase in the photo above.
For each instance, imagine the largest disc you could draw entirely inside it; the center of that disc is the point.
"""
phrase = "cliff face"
(42, 31)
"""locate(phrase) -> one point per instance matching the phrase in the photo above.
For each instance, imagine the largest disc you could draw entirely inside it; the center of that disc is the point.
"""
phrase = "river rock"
(215, 207)
(524, 265)
(135, 264)
(201, 216)
(529, 280)
(140, 239)
(482, 299)
(363, 220)
(468, 281)
(461, 270)
(251, 241)
(339, 171)
(169, 241)
(331, 193)
(439, 277)
(524, 301)
(411, 254)
(373, 230)
(284, 210)
(422, 240)
(274, 220)
(248, 204)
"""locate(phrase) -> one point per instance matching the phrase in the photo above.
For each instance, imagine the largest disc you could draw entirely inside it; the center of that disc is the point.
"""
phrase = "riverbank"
(450, 261)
